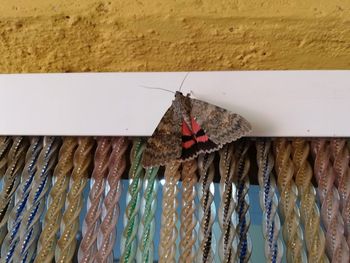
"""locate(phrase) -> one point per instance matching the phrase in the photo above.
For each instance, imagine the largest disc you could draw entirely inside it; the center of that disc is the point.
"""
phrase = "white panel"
(277, 103)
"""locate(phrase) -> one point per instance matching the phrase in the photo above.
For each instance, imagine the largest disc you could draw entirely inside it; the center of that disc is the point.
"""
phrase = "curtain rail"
(277, 103)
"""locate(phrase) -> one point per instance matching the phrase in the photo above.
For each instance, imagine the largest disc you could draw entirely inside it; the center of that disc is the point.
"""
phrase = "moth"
(191, 127)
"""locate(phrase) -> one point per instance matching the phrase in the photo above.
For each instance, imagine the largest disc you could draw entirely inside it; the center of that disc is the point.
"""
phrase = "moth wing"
(165, 143)
(221, 126)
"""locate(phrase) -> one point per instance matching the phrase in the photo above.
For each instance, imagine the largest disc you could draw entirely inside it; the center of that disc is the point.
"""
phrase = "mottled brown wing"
(165, 143)
(220, 125)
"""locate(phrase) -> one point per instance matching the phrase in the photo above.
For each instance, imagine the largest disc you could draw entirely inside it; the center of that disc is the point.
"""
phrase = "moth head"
(178, 95)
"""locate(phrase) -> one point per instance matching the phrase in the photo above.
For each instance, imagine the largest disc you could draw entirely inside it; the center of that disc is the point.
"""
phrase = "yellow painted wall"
(173, 35)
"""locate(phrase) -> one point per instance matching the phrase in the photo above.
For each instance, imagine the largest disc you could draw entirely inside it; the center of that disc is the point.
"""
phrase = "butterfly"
(191, 127)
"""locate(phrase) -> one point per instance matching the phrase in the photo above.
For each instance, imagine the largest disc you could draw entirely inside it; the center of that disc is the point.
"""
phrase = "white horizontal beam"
(277, 103)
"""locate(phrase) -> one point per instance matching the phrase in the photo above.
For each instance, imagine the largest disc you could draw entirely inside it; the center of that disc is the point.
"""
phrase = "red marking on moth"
(202, 138)
(195, 126)
(188, 144)
(186, 130)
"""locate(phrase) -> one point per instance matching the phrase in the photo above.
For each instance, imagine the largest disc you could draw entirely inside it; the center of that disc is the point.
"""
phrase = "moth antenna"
(184, 80)
(158, 88)
(148, 87)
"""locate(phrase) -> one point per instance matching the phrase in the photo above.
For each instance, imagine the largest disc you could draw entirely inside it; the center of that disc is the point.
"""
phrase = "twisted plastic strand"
(207, 207)
(16, 159)
(147, 227)
(131, 217)
(110, 209)
(341, 156)
(5, 143)
(242, 166)
(336, 246)
(169, 232)
(227, 249)
(22, 194)
(188, 218)
(48, 238)
(88, 246)
(31, 226)
(269, 203)
(310, 215)
(82, 160)
(291, 230)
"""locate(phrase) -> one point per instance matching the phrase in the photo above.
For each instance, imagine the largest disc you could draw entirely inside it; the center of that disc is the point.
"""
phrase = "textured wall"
(169, 35)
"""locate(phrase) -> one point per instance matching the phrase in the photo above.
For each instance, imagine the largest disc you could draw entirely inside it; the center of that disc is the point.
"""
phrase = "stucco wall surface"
(169, 35)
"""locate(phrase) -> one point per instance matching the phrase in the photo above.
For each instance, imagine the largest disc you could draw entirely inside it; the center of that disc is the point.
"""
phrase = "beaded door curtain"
(88, 199)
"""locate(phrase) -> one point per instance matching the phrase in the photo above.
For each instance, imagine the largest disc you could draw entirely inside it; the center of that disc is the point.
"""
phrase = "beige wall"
(169, 35)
